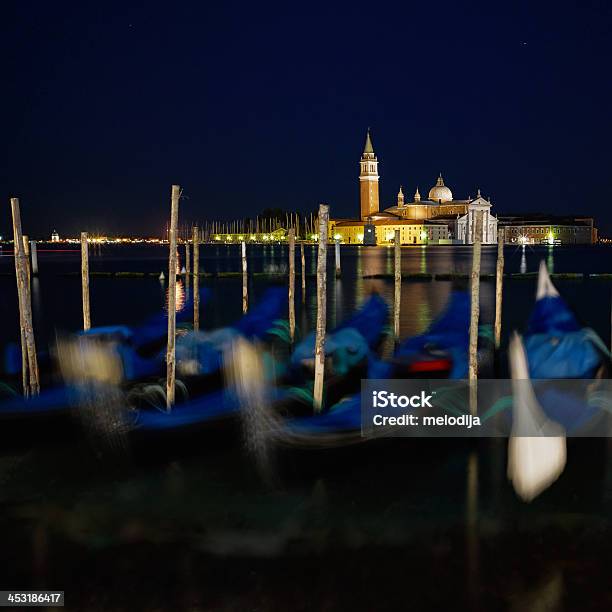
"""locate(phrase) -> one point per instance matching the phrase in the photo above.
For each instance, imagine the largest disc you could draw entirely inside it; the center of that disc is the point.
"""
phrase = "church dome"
(440, 192)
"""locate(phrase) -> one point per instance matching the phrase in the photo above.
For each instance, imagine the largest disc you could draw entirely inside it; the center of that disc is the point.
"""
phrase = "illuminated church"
(438, 219)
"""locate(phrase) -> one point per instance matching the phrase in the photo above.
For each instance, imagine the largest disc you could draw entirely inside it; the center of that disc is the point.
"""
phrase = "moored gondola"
(440, 352)
(348, 350)
(559, 372)
(200, 360)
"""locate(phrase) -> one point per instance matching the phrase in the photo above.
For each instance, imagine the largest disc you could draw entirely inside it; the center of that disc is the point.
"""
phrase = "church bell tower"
(368, 180)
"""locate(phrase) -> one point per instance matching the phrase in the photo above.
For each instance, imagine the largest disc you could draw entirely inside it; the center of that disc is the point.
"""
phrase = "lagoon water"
(57, 291)
(414, 524)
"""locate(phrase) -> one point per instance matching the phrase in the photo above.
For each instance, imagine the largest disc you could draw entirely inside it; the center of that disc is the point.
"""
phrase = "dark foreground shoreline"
(412, 525)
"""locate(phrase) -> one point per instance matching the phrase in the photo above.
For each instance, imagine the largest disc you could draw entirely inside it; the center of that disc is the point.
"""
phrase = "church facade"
(438, 219)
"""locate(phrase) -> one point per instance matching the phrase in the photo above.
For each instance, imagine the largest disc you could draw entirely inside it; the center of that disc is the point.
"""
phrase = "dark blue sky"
(259, 105)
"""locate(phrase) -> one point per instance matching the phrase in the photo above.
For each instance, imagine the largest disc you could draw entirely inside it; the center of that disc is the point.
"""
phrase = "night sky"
(259, 105)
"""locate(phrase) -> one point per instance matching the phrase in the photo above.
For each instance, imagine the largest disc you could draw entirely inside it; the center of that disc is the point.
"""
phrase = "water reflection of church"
(438, 219)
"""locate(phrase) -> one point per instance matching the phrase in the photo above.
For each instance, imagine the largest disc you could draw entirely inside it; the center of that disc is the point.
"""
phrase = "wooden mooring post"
(321, 308)
(337, 251)
(499, 286)
(24, 351)
(187, 260)
(245, 280)
(292, 284)
(471, 519)
(196, 278)
(30, 376)
(26, 250)
(172, 262)
(398, 286)
(85, 281)
(475, 312)
(25, 369)
(303, 258)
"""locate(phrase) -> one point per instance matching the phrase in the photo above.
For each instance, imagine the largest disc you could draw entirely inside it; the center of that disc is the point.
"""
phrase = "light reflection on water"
(423, 260)
(180, 296)
(550, 260)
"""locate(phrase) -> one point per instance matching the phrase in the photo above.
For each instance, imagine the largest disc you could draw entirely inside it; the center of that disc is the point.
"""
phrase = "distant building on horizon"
(439, 219)
(54, 236)
(548, 229)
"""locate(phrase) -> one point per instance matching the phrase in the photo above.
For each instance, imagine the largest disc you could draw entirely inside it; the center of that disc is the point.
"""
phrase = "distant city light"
(360, 237)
